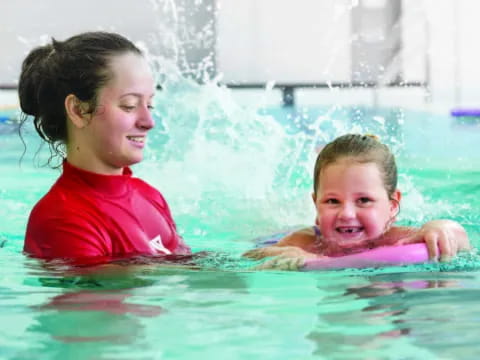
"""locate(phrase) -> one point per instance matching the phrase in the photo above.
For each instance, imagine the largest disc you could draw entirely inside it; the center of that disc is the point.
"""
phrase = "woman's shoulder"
(63, 201)
(148, 191)
(59, 203)
(139, 183)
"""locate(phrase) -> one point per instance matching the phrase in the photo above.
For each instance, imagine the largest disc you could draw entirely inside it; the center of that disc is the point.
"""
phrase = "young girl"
(357, 200)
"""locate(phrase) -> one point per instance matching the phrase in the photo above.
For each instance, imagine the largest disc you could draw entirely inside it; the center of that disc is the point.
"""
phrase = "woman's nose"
(146, 120)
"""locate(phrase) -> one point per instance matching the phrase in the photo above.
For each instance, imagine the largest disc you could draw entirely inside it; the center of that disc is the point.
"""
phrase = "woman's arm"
(182, 248)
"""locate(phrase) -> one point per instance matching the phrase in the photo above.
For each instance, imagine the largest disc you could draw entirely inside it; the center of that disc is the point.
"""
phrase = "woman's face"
(352, 204)
(116, 133)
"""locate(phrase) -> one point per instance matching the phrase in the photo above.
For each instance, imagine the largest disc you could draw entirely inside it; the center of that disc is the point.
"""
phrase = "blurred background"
(373, 52)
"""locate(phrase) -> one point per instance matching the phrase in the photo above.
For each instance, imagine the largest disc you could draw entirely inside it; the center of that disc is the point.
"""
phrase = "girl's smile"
(353, 207)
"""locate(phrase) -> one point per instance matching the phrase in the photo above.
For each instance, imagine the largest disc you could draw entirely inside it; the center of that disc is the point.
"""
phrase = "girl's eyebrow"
(334, 194)
(362, 192)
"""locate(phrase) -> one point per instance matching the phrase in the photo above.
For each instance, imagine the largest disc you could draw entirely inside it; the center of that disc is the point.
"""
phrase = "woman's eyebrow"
(139, 95)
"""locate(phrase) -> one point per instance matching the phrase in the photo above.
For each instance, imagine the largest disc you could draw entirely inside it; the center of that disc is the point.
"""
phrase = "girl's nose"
(347, 211)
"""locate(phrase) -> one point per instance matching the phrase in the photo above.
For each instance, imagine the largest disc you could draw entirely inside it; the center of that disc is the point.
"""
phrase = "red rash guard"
(88, 215)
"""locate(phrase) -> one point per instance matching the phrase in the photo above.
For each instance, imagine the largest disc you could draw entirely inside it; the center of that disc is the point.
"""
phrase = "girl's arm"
(296, 244)
(444, 238)
(380, 256)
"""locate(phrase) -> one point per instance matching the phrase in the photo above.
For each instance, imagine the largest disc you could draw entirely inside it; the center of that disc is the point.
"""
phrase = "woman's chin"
(133, 159)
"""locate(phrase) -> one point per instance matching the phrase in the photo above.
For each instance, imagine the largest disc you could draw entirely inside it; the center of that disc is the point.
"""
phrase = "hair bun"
(31, 79)
(373, 136)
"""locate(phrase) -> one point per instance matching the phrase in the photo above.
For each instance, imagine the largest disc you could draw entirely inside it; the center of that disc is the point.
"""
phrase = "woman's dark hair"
(361, 149)
(80, 66)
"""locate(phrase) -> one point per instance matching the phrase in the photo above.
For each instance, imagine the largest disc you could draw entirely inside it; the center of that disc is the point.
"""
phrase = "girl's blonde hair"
(362, 149)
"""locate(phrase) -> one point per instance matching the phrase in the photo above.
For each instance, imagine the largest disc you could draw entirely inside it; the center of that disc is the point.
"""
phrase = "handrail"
(8, 87)
(288, 89)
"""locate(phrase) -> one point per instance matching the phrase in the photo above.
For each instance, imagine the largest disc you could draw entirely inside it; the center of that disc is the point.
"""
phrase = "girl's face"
(352, 203)
(116, 133)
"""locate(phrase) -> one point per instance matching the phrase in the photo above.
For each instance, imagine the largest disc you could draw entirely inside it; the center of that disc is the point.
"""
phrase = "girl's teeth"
(349, 230)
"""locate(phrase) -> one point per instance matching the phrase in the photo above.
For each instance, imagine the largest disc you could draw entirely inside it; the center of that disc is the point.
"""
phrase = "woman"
(91, 97)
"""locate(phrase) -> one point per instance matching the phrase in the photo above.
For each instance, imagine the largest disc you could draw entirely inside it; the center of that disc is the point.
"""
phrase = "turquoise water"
(230, 174)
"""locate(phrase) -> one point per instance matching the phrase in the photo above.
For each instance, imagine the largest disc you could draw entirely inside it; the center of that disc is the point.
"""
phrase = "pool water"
(231, 174)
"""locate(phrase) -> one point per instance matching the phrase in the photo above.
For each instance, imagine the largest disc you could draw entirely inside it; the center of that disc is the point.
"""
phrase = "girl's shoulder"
(396, 235)
(303, 238)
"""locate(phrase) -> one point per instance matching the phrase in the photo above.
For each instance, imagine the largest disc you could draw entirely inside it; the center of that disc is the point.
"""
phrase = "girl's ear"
(76, 111)
(314, 198)
(395, 202)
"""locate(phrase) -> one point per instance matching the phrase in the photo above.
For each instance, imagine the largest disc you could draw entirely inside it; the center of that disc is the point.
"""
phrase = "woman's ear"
(76, 111)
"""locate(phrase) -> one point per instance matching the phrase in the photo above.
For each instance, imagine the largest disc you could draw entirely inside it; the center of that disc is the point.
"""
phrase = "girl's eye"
(150, 107)
(331, 201)
(364, 200)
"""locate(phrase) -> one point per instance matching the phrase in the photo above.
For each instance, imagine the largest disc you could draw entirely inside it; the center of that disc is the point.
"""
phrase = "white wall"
(452, 48)
(287, 41)
(27, 23)
(253, 43)
(414, 40)
(468, 52)
(159, 24)
(309, 40)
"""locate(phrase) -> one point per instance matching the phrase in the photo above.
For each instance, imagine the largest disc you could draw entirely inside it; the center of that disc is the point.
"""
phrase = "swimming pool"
(230, 174)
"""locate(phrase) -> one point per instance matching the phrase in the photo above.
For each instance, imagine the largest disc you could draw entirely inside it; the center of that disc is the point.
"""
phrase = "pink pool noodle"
(385, 255)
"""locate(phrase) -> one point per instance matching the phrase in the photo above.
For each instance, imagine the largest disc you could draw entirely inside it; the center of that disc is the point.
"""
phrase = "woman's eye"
(128, 108)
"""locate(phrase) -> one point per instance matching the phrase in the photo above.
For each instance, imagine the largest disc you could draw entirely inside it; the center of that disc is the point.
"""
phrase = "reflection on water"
(177, 313)
(85, 316)
(408, 307)
(88, 316)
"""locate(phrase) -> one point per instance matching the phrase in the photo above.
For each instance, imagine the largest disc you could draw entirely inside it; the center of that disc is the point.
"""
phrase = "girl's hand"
(285, 257)
(444, 239)
(283, 263)
(281, 251)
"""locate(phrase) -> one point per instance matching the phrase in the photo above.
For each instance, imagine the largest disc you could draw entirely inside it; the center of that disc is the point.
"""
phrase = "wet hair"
(361, 149)
(80, 66)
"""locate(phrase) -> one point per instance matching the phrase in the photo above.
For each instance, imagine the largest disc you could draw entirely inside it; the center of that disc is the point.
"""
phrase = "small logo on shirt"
(156, 244)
